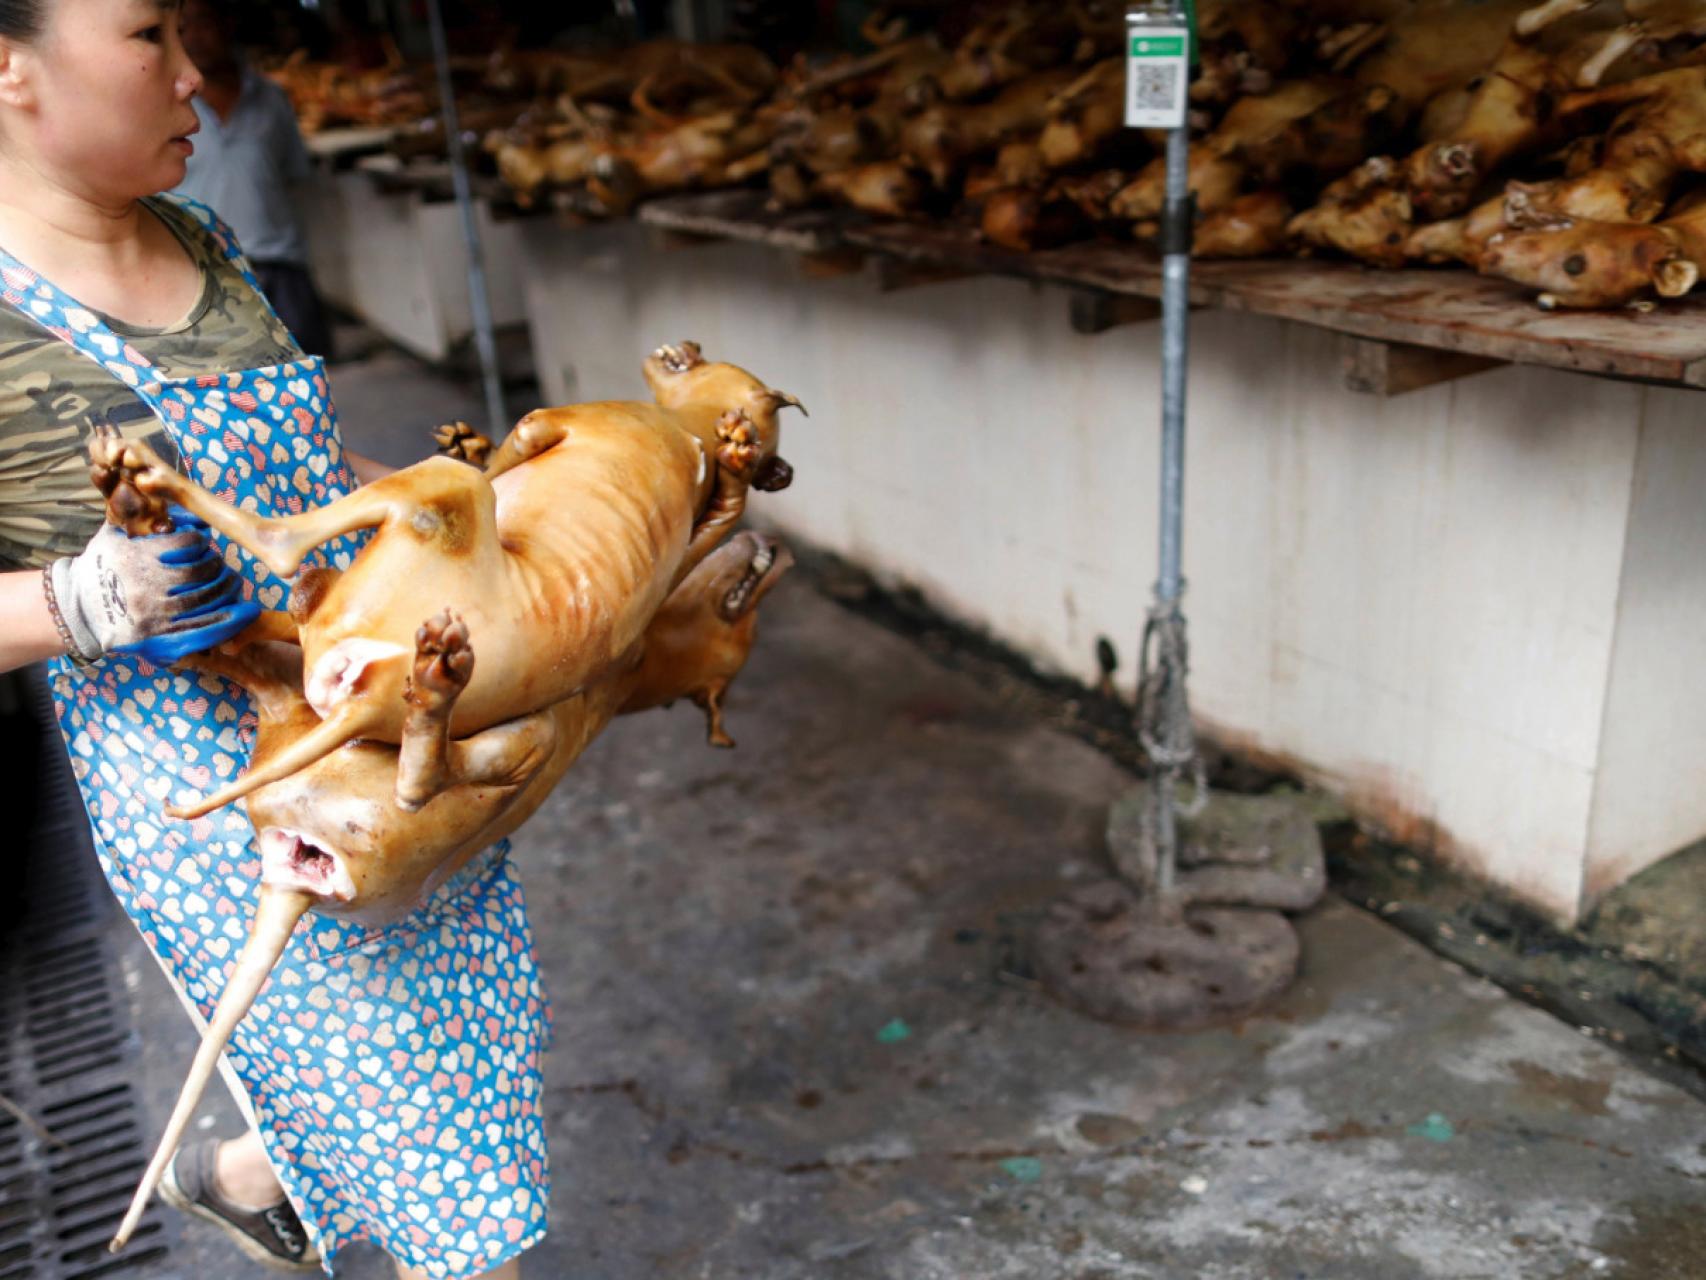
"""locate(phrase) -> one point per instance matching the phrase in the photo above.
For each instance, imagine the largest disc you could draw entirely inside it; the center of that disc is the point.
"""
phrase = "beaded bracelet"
(71, 649)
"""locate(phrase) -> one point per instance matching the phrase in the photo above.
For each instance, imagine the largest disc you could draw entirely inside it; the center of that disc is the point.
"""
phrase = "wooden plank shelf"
(741, 215)
(433, 182)
(1392, 368)
(1412, 328)
(339, 148)
(1093, 311)
(1446, 310)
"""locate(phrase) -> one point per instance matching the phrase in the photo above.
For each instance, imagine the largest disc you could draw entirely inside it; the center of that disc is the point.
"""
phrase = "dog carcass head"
(1591, 264)
(679, 375)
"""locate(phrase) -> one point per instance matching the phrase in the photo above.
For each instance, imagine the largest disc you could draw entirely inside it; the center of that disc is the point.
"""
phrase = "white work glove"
(160, 596)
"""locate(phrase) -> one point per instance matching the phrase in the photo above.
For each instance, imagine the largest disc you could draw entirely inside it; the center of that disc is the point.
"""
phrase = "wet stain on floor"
(1586, 1096)
(1657, 1242)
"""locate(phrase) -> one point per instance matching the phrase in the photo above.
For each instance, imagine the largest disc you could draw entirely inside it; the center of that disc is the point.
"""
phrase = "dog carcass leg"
(271, 673)
(444, 663)
(275, 920)
(1617, 95)
(284, 542)
(529, 438)
(711, 702)
(506, 755)
(460, 441)
(1545, 14)
(737, 459)
(281, 543)
(349, 720)
(271, 625)
(428, 761)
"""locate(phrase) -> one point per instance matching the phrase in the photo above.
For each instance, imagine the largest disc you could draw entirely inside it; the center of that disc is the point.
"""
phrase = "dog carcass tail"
(275, 921)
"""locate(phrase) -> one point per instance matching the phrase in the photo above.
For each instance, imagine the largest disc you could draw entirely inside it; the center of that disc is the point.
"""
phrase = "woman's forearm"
(27, 633)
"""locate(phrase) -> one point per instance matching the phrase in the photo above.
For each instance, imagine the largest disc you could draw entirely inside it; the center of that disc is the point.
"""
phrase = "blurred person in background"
(249, 156)
(285, 27)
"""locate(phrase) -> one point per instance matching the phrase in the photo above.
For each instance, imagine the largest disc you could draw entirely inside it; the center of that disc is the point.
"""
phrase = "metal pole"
(1175, 353)
(485, 340)
(1161, 35)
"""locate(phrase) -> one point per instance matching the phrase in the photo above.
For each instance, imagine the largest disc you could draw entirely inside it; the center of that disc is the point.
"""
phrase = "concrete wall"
(399, 264)
(1471, 609)
(1647, 793)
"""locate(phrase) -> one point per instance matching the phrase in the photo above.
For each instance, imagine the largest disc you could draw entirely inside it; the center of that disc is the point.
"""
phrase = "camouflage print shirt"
(50, 396)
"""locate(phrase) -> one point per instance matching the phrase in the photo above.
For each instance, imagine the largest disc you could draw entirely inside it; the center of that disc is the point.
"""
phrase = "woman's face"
(106, 110)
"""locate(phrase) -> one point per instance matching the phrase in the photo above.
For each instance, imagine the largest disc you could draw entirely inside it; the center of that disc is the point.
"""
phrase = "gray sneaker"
(274, 1235)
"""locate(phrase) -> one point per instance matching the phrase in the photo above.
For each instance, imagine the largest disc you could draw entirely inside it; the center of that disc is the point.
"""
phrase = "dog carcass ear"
(1675, 276)
(782, 400)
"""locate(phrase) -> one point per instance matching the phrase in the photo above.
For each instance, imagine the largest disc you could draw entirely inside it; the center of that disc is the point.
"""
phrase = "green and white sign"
(1157, 71)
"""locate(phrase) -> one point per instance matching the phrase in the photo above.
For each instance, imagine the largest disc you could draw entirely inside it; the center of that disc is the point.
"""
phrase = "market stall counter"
(393, 257)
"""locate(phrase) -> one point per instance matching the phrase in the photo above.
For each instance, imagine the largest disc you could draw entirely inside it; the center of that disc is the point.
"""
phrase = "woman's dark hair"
(21, 20)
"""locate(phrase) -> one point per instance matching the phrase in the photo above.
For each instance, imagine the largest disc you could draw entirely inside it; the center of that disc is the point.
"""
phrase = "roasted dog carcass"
(581, 569)
(566, 545)
(722, 149)
(1366, 214)
(333, 840)
(1252, 226)
(1658, 137)
(1647, 32)
(1024, 38)
(942, 140)
(1600, 264)
(1220, 162)
(1085, 118)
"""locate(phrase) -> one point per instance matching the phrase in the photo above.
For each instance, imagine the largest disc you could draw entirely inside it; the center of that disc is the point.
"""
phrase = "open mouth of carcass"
(767, 559)
(292, 860)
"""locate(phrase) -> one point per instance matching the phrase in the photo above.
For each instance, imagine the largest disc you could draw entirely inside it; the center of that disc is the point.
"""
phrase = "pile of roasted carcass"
(420, 704)
(1557, 144)
(327, 95)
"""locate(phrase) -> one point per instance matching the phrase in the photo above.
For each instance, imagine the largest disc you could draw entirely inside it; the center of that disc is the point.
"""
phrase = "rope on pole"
(1163, 711)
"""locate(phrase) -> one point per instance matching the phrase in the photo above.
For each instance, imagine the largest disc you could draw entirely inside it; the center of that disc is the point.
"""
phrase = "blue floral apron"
(393, 1074)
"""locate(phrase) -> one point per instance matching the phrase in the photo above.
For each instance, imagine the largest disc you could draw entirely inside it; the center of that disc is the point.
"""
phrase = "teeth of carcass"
(762, 561)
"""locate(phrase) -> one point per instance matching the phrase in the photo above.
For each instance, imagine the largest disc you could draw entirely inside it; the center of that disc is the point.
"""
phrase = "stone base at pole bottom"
(1106, 952)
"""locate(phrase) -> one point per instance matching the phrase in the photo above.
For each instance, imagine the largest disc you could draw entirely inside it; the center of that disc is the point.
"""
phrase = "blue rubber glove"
(159, 597)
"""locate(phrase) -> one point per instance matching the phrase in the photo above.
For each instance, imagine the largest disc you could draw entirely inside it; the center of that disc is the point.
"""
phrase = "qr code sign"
(1155, 80)
(1156, 88)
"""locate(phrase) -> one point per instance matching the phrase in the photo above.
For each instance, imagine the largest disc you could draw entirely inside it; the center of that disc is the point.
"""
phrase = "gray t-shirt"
(243, 169)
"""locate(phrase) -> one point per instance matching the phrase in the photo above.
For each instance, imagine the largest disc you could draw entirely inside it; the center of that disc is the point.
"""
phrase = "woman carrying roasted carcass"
(392, 1077)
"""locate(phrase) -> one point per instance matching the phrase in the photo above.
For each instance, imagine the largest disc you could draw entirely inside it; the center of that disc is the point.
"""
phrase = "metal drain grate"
(65, 1050)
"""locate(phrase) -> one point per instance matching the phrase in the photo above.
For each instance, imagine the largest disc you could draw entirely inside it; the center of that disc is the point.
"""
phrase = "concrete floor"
(795, 1038)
